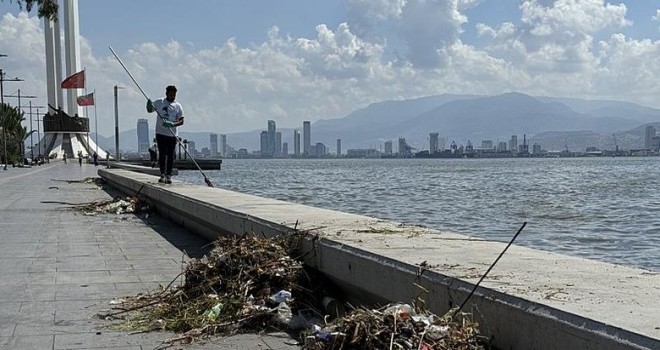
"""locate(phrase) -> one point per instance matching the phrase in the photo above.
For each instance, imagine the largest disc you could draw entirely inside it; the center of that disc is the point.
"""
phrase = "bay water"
(603, 208)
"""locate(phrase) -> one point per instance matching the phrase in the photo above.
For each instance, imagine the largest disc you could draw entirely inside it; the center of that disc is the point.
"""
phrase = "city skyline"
(301, 61)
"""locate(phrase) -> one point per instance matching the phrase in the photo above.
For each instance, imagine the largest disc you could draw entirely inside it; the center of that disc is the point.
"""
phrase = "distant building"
(536, 149)
(272, 129)
(296, 143)
(487, 144)
(655, 142)
(285, 149)
(143, 136)
(278, 144)
(433, 142)
(513, 143)
(307, 137)
(213, 144)
(501, 146)
(242, 153)
(223, 145)
(405, 151)
(338, 147)
(317, 150)
(191, 147)
(363, 153)
(648, 137)
(264, 144)
(388, 148)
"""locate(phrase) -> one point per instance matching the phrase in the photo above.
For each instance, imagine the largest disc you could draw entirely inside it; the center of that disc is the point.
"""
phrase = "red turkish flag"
(86, 100)
(76, 81)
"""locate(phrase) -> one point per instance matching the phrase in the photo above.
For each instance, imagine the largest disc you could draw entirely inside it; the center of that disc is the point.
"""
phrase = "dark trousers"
(166, 148)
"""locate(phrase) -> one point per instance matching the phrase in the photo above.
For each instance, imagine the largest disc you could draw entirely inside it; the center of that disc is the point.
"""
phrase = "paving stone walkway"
(59, 267)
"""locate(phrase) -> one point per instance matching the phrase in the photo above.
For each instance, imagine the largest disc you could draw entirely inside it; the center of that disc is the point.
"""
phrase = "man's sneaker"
(168, 180)
(162, 179)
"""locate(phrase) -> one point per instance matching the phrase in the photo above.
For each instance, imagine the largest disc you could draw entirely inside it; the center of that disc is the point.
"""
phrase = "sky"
(238, 64)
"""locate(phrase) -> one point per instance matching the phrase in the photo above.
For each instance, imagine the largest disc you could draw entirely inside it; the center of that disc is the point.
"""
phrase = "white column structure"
(71, 50)
(67, 139)
(51, 75)
(58, 66)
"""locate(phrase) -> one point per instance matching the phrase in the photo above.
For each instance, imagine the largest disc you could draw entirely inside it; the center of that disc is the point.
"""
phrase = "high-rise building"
(278, 144)
(486, 144)
(388, 148)
(285, 149)
(317, 150)
(264, 148)
(433, 142)
(648, 137)
(296, 142)
(143, 136)
(501, 146)
(213, 145)
(307, 137)
(513, 143)
(223, 145)
(272, 129)
(338, 147)
(191, 148)
(405, 151)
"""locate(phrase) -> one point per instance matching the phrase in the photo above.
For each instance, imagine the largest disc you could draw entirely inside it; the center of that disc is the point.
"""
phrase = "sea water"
(601, 208)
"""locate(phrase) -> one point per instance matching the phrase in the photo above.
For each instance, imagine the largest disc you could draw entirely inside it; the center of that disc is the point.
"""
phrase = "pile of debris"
(252, 284)
(396, 326)
(118, 205)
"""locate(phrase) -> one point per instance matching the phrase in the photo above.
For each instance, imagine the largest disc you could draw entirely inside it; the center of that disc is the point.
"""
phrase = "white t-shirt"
(170, 111)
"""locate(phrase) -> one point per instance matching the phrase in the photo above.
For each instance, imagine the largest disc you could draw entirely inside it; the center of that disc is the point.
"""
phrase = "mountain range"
(554, 123)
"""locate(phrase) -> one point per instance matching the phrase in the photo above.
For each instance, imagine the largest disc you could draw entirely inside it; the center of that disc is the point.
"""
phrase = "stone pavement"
(59, 267)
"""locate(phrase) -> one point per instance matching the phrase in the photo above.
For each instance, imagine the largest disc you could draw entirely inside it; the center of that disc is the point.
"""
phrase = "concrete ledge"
(137, 168)
(531, 299)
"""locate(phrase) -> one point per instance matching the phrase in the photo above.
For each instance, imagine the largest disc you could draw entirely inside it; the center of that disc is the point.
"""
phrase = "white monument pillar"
(71, 50)
(51, 77)
(58, 65)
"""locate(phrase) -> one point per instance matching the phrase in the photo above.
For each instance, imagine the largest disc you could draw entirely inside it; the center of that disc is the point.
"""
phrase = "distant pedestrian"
(80, 157)
(153, 154)
(170, 115)
(95, 157)
(64, 157)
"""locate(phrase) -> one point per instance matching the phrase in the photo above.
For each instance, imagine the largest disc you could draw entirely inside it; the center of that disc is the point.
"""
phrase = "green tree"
(46, 8)
(14, 132)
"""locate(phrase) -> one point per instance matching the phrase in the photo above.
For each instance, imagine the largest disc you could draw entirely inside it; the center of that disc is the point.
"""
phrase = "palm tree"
(45, 8)
(15, 133)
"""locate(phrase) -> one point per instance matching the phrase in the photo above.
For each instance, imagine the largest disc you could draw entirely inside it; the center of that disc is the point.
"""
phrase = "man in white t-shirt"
(170, 115)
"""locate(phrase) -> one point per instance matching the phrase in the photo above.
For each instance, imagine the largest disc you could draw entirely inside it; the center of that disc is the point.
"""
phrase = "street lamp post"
(19, 108)
(117, 124)
(38, 134)
(31, 128)
(2, 103)
(5, 142)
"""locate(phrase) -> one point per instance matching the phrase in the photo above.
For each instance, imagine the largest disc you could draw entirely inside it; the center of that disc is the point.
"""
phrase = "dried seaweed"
(252, 285)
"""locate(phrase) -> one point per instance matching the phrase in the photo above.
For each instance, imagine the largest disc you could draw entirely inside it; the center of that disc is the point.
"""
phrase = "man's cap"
(170, 88)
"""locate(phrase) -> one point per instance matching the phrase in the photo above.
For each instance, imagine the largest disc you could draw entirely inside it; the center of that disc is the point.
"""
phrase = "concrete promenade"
(59, 267)
(531, 300)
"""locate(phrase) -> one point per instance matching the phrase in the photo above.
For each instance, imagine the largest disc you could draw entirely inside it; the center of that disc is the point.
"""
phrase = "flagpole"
(87, 115)
(96, 126)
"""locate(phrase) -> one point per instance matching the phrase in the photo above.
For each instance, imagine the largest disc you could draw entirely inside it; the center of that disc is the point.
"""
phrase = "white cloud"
(229, 87)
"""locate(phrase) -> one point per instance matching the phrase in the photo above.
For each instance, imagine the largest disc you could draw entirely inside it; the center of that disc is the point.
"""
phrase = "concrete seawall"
(531, 300)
